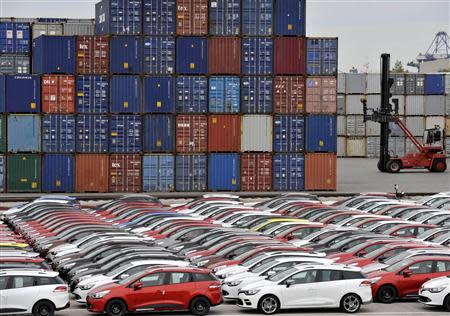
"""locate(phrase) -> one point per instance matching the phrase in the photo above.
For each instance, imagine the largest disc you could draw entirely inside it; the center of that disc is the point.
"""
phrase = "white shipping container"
(374, 101)
(416, 125)
(355, 83)
(373, 147)
(415, 105)
(256, 133)
(356, 147)
(341, 147)
(341, 125)
(397, 146)
(340, 104)
(373, 84)
(341, 83)
(447, 84)
(447, 126)
(434, 105)
(79, 28)
(355, 125)
(447, 105)
(372, 128)
(432, 121)
(41, 28)
(447, 146)
(395, 129)
(401, 103)
(410, 147)
(353, 104)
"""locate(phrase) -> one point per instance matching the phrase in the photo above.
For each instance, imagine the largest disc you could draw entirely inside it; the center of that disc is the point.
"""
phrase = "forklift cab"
(433, 137)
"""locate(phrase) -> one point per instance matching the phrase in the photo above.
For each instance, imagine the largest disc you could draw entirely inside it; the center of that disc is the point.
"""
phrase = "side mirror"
(123, 276)
(137, 286)
(289, 283)
(362, 253)
(407, 273)
(381, 259)
(289, 237)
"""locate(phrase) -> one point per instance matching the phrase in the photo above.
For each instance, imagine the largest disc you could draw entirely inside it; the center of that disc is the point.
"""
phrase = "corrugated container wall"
(58, 94)
(401, 103)
(373, 147)
(224, 133)
(224, 95)
(192, 133)
(415, 84)
(341, 125)
(159, 17)
(435, 105)
(192, 55)
(416, 125)
(257, 17)
(58, 133)
(224, 55)
(341, 83)
(434, 84)
(395, 129)
(158, 173)
(372, 129)
(23, 173)
(340, 104)
(290, 17)
(320, 172)
(356, 147)
(410, 147)
(58, 171)
(256, 133)
(54, 55)
(322, 56)
(3, 134)
(91, 173)
(92, 94)
(447, 126)
(2, 173)
(224, 172)
(415, 105)
(256, 94)
(92, 133)
(125, 173)
(321, 95)
(2, 94)
(159, 133)
(257, 55)
(15, 38)
(92, 55)
(373, 84)
(399, 84)
(321, 133)
(190, 171)
(118, 17)
(355, 125)
(288, 133)
(158, 95)
(125, 134)
(433, 121)
(14, 64)
(355, 83)
(29, 138)
(256, 172)
(397, 145)
(158, 55)
(288, 172)
(125, 55)
(24, 94)
(289, 95)
(44, 28)
(353, 104)
(191, 94)
(79, 28)
(224, 17)
(192, 17)
(341, 146)
(290, 56)
(126, 94)
(447, 84)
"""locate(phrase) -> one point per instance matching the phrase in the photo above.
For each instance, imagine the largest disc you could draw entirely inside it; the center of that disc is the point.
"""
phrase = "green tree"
(398, 68)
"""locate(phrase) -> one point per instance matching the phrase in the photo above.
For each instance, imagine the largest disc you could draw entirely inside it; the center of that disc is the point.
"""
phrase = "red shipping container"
(91, 173)
(289, 94)
(224, 132)
(256, 172)
(290, 56)
(224, 55)
(58, 94)
(320, 172)
(192, 133)
(192, 17)
(321, 95)
(92, 55)
(125, 173)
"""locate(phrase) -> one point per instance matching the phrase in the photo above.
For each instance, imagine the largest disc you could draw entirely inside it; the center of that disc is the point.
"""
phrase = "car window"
(329, 275)
(199, 277)
(405, 232)
(179, 277)
(154, 279)
(22, 281)
(348, 275)
(48, 281)
(303, 277)
(421, 267)
(133, 271)
(280, 267)
(442, 266)
(3, 282)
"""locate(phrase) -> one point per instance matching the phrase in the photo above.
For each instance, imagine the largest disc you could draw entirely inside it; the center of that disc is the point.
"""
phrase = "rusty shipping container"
(125, 173)
(92, 55)
(192, 133)
(91, 173)
(289, 94)
(224, 55)
(290, 56)
(320, 172)
(321, 95)
(224, 133)
(256, 172)
(192, 17)
(58, 94)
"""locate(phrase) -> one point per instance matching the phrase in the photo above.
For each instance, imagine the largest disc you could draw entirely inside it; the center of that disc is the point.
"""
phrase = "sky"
(365, 28)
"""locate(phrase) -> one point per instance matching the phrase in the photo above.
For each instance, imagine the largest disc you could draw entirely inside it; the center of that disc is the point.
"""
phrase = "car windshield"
(397, 258)
(442, 238)
(128, 279)
(119, 269)
(376, 253)
(280, 276)
(263, 267)
(399, 265)
(253, 260)
(282, 229)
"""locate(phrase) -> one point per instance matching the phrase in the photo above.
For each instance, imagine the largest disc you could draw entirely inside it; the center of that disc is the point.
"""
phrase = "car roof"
(331, 266)
(434, 258)
(30, 272)
(181, 269)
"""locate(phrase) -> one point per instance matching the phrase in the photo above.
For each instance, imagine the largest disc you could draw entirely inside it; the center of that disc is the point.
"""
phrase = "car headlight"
(100, 294)
(233, 283)
(69, 265)
(251, 292)
(435, 289)
(86, 287)
(201, 263)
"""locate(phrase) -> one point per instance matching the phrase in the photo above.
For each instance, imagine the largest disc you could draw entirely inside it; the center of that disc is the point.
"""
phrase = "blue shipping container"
(257, 56)
(289, 133)
(224, 172)
(158, 173)
(58, 173)
(190, 172)
(225, 17)
(29, 138)
(24, 94)
(321, 133)
(2, 94)
(92, 94)
(58, 133)
(159, 133)
(257, 95)
(15, 38)
(288, 172)
(322, 56)
(434, 84)
(2, 173)
(290, 17)
(224, 95)
(192, 55)
(54, 55)
(126, 132)
(159, 95)
(118, 17)
(92, 133)
(257, 17)
(159, 55)
(159, 17)
(126, 94)
(125, 55)
(191, 94)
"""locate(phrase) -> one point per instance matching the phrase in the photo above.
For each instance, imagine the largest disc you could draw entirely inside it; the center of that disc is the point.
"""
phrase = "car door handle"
(161, 292)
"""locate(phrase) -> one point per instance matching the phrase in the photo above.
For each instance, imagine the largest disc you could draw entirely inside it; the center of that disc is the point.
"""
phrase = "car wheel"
(351, 303)
(268, 305)
(200, 306)
(387, 294)
(115, 308)
(447, 303)
(44, 309)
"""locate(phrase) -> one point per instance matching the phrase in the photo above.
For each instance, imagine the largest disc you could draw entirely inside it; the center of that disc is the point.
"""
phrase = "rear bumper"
(65, 307)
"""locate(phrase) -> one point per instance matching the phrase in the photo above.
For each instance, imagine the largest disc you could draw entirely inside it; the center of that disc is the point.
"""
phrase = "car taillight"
(366, 283)
(60, 289)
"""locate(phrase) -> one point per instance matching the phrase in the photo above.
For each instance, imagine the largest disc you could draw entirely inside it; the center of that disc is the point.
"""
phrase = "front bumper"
(95, 305)
(230, 292)
(432, 299)
(247, 301)
(80, 295)
(64, 307)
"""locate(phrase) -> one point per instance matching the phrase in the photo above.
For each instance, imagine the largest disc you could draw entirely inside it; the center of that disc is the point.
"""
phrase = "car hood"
(95, 278)
(378, 273)
(239, 276)
(258, 284)
(438, 282)
(373, 267)
(231, 270)
(104, 287)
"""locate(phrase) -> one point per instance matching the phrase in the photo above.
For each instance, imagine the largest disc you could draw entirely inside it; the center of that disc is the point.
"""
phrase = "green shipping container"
(23, 173)
(2, 134)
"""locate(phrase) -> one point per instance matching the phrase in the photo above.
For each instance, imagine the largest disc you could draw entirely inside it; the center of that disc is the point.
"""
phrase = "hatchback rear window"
(199, 277)
(49, 281)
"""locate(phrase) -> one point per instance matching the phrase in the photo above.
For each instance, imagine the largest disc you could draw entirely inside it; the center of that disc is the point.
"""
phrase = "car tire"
(116, 308)
(200, 306)
(351, 303)
(268, 305)
(44, 308)
(447, 303)
(387, 294)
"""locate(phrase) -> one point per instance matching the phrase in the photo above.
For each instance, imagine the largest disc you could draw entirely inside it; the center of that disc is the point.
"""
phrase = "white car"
(38, 292)
(309, 286)
(436, 292)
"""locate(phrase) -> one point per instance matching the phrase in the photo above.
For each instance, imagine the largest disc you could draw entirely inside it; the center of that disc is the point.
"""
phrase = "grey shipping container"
(341, 146)
(10, 64)
(373, 84)
(401, 103)
(29, 137)
(341, 125)
(355, 83)
(415, 105)
(256, 133)
(374, 101)
(435, 105)
(373, 147)
(397, 146)
(372, 128)
(47, 29)
(341, 83)
(356, 147)
(353, 104)
(447, 147)
(395, 129)
(410, 147)
(355, 125)
(447, 105)
(414, 83)
(86, 27)
(340, 99)
(447, 84)
(399, 84)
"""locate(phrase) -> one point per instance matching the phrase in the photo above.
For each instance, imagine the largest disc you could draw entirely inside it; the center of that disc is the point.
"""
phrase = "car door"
(21, 287)
(178, 290)
(4, 294)
(328, 287)
(151, 295)
(302, 292)
(421, 272)
(441, 268)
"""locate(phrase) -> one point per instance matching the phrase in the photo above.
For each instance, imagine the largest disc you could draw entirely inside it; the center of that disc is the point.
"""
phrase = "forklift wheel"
(381, 167)
(439, 165)
(393, 166)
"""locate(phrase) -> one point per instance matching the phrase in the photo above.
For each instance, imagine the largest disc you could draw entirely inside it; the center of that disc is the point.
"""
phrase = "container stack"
(424, 102)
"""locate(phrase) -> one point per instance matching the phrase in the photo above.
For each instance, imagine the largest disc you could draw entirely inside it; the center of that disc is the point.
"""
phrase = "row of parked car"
(135, 254)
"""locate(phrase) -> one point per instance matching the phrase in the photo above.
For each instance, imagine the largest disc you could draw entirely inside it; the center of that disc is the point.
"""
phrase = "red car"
(360, 250)
(158, 289)
(404, 278)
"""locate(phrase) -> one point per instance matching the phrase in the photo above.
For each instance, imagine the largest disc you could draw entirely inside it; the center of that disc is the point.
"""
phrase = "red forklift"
(431, 154)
